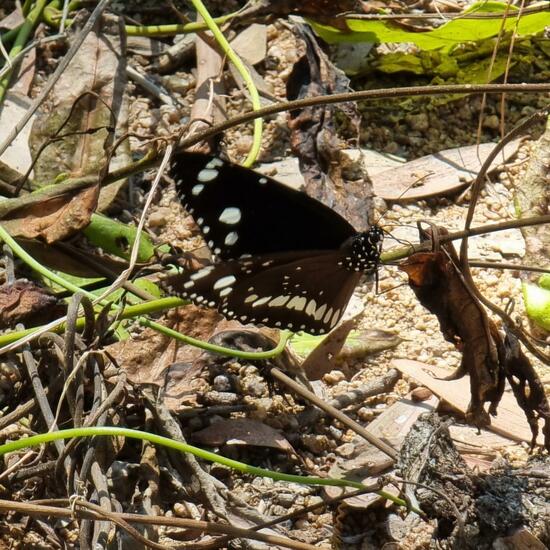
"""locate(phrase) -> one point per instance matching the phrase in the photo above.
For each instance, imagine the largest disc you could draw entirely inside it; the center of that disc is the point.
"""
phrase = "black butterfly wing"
(306, 291)
(242, 212)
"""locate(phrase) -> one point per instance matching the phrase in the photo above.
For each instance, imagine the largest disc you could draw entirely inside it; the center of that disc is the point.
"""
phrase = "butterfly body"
(282, 259)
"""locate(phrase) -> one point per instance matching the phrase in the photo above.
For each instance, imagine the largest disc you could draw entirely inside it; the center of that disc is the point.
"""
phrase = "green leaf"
(537, 304)
(117, 238)
(444, 38)
(544, 281)
(303, 343)
(358, 342)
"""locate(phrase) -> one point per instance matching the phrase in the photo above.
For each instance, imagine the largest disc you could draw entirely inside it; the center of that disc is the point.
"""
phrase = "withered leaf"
(25, 302)
(314, 138)
(436, 281)
(53, 219)
(242, 431)
(527, 387)
(154, 358)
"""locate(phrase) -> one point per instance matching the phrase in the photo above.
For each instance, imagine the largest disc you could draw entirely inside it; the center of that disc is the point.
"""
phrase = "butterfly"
(281, 258)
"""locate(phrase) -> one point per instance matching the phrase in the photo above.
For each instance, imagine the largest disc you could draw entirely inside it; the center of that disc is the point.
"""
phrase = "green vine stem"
(40, 439)
(243, 71)
(52, 16)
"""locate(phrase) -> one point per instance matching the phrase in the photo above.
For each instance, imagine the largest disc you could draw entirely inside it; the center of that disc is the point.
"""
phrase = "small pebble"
(316, 443)
(421, 394)
(159, 217)
(255, 388)
(346, 450)
(221, 383)
(286, 499)
(333, 377)
(220, 398)
(365, 414)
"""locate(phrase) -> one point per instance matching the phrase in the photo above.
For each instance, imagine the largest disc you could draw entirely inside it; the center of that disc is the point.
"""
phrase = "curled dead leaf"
(25, 302)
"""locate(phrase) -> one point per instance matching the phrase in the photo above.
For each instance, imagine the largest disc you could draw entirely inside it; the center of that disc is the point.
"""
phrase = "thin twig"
(32, 509)
(454, 16)
(365, 95)
(464, 264)
(334, 412)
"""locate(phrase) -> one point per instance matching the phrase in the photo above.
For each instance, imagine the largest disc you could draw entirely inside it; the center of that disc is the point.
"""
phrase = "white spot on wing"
(261, 301)
(298, 303)
(224, 281)
(230, 215)
(197, 189)
(189, 284)
(335, 318)
(311, 307)
(202, 273)
(208, 174)
(262, 181)
(320, 312)
(215, 163)
(251, 298)
(328, 316)
(279, 301)
(231, 238)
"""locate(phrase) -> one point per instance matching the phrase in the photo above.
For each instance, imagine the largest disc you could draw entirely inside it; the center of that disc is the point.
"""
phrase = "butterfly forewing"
(293, 290)
(242, 212)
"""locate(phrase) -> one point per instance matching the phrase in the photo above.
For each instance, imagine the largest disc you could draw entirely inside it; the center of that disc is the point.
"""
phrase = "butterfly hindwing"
(281, 290)
(242, 212)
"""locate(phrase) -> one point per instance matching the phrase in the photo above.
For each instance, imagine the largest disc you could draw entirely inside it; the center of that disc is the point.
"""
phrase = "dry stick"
(73, 184)
(540, 116)
(519, 13)
(30, 405)
(500, 265)
(112, 517)
(490, 68)
(403, 252)
(363, 95)
(412, 16)
(332, 411)
(102, 269)
(7, 506)
(55, 76)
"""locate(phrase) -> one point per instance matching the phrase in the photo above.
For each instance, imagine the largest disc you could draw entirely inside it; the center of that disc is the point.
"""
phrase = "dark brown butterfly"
(282, 259)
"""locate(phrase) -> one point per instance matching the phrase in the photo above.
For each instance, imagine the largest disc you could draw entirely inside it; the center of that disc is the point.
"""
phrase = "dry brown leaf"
(323, 358)
(153, 358)
(99, 67)
(510, 421)
(436, 281)
(242, 431)
(25, 302)
(314, 137)
(53, 219)
(437, 174)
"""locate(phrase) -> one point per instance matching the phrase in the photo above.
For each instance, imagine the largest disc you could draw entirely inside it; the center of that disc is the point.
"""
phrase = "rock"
(159, 217)
(346, 450)
(221, 383)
